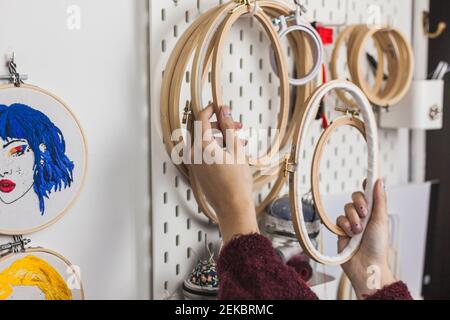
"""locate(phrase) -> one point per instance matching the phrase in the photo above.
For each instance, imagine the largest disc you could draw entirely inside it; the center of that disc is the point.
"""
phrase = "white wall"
(97, 70)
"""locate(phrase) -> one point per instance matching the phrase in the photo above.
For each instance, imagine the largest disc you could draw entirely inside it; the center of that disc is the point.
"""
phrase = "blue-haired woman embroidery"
(33, 155)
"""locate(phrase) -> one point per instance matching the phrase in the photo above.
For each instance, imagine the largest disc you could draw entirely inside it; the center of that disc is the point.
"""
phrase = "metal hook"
(255, 8)
(426, 26)
(300, 10)
(247, 3)
(348, 111)
(18, 245)
(14, 77)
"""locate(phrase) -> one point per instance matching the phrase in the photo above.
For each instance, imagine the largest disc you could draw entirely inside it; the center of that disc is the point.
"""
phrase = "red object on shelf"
(324, 121)
(326, 34)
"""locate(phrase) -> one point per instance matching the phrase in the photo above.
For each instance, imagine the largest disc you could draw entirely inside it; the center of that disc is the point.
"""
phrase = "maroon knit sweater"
(249, 269)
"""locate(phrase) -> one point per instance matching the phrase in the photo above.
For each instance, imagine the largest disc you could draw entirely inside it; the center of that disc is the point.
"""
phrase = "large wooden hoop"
(300, 144)
(194, 39)
(266, 23)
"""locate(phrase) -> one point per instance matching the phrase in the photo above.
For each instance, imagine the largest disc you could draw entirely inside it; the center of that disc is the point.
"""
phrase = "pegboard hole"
(188, 194)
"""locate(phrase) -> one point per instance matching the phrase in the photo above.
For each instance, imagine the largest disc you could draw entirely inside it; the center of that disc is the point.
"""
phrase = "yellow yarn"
(33, 271)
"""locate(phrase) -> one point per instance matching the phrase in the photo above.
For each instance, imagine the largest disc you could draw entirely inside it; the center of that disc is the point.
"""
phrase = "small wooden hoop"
(317, 157)
(317, 48)
(345, 37)
(300, 144)
(391, 45)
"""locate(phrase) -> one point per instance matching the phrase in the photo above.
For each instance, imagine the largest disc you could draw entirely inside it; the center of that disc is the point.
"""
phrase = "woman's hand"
(228, 185)
(371, 261)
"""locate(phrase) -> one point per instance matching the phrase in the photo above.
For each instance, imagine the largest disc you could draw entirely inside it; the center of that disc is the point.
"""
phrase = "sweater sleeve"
(249, 269)
(396, 291)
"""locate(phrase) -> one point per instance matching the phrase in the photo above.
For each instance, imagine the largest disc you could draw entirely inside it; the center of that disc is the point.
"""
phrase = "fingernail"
(383, 185)
(357, 228)
(363, 211)
(226, 112)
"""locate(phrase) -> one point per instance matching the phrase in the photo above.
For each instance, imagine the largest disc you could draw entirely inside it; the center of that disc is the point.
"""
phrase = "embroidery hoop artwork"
(42, 159)
(39, 274)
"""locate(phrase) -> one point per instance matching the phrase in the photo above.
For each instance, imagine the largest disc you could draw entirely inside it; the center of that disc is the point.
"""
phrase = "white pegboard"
(251, 89)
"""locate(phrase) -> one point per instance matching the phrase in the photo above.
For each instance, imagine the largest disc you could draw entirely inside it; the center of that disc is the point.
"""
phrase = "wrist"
(367, 280)
(238, 222)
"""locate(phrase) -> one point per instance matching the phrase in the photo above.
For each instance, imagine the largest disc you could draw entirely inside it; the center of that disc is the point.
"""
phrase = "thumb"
(380, 211)
(228, 128)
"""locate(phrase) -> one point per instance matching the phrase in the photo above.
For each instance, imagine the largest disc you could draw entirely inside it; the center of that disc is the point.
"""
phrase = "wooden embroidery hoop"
(392, 47)
(52, 253)
(84, 169)
(400, 64)
(223, 26)
(344, 38)
(349, 121)
(172, 82)
(300, 144)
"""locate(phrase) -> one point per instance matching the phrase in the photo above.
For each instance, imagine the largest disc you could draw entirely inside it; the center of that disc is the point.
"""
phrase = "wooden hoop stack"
(204, 41)
(393, 51)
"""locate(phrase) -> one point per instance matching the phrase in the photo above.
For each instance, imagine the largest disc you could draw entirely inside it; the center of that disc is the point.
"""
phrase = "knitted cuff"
(242, 250)
(396, 291)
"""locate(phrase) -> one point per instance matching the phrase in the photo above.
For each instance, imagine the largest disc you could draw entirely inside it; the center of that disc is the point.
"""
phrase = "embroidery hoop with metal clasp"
(301, 143)
(317, 47)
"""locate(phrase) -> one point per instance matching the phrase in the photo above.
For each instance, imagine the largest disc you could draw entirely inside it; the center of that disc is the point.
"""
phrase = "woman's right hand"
(227, 186)
(368, 270)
